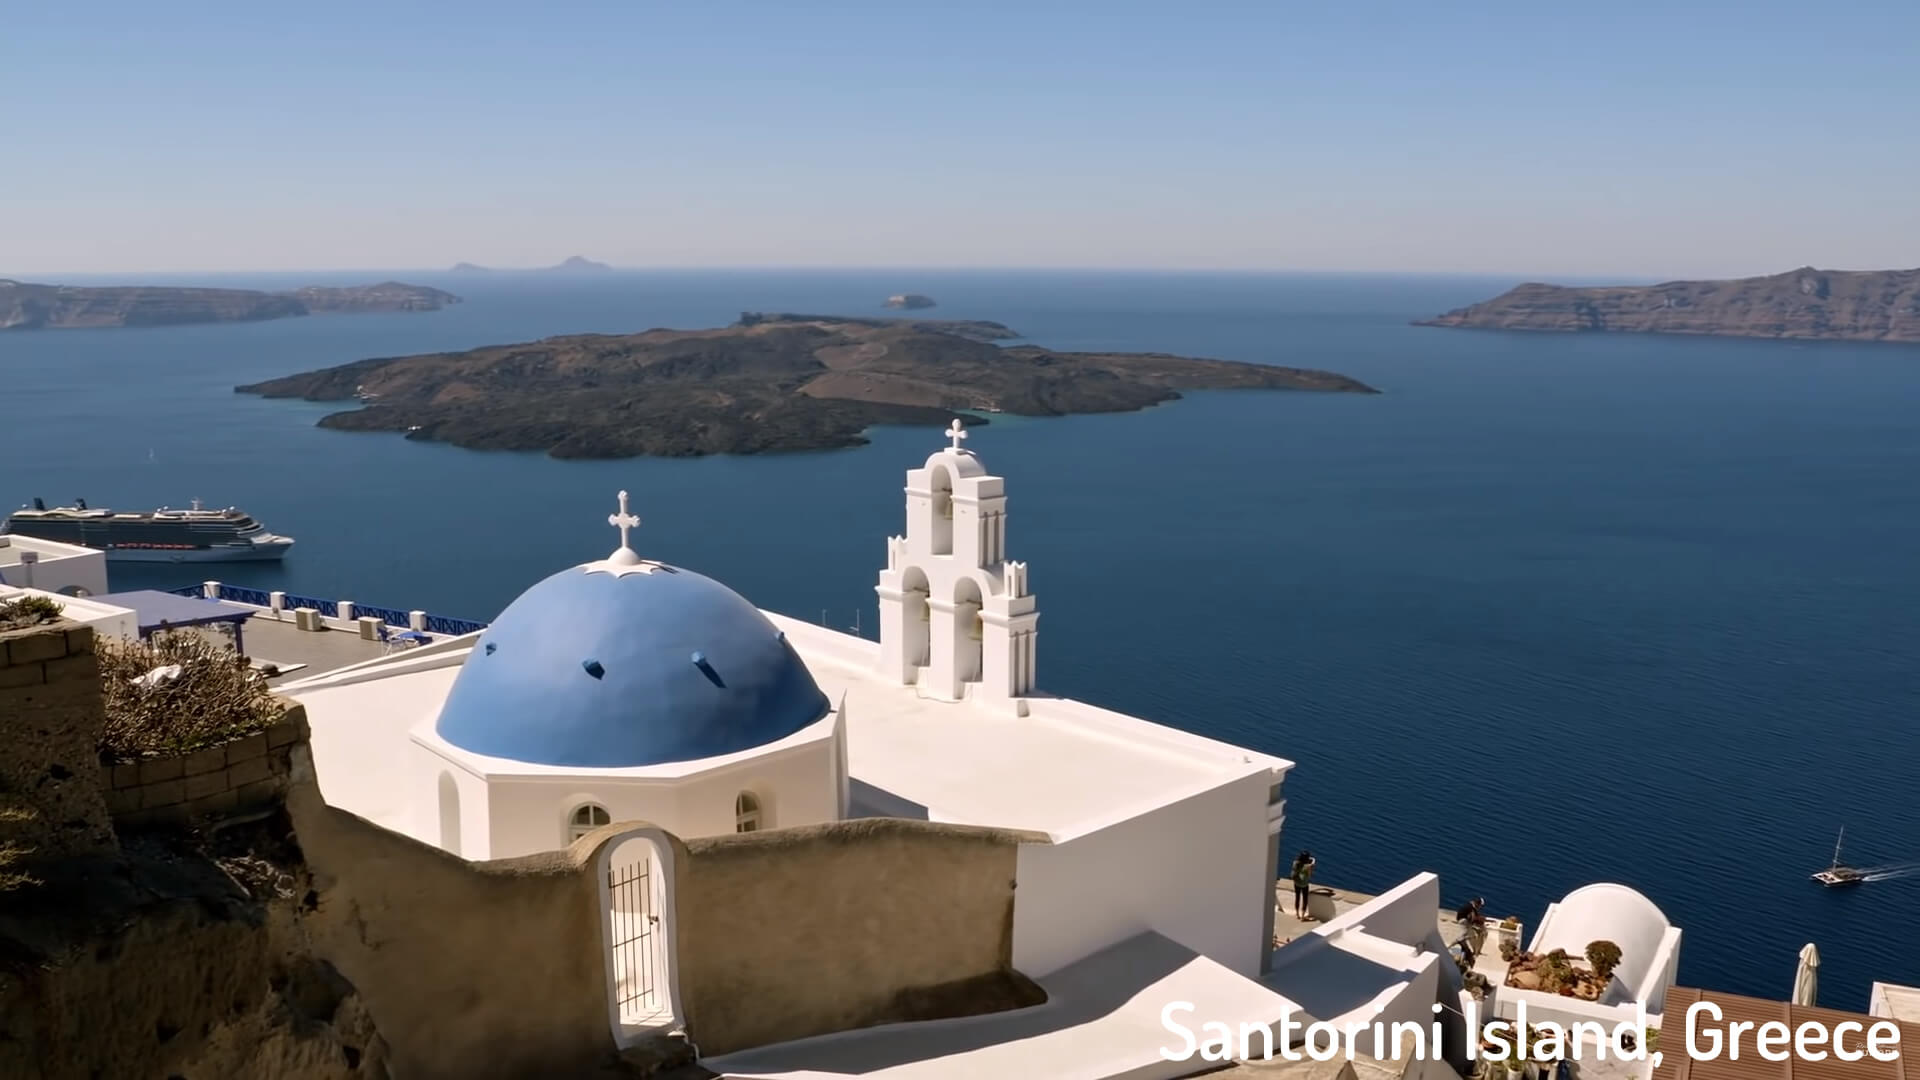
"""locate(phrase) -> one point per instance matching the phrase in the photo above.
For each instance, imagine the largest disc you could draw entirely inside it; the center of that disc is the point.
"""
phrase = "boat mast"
(1836, 845)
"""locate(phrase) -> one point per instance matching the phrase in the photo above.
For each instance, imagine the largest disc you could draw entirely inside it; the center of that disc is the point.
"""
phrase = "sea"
(1549, 610)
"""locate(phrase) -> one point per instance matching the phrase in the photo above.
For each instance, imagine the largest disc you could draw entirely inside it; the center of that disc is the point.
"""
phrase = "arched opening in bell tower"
(917, 618)
(969, 630)
(942, 538)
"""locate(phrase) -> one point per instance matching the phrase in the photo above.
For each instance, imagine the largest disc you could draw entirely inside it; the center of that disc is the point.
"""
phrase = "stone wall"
(246, 775)
(499, 968)
(800, 932)
(51, 716)
(488, 969)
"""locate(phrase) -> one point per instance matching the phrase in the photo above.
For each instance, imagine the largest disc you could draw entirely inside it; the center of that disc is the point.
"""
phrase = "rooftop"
(303, 654)
(12, 546)
(155, 609)
(1066, 768)
(1676, 1064)
(1897, 1002)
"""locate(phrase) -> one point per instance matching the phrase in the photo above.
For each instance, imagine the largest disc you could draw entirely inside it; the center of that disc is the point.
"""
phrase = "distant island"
(976, 329)
(909, 301)
(25, 306)
(1839, 305)
(770, 382)
(574, 264)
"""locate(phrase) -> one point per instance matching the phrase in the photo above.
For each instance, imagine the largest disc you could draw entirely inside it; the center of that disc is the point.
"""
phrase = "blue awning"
(155, 609)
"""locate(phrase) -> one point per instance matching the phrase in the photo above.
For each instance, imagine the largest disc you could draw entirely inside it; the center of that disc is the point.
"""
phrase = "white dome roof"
(1607, 912)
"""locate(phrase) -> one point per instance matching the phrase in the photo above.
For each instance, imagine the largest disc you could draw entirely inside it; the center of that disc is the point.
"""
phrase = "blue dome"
(633, 667)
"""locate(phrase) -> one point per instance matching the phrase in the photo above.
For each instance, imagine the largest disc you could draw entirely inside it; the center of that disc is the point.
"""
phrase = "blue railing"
(256, 597)
(436, 624)
(329, 608)
(440, 624)
(390, 616)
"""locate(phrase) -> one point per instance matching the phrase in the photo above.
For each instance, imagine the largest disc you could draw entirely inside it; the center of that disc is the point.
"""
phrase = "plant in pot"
(1604, 956)
(1556, 972)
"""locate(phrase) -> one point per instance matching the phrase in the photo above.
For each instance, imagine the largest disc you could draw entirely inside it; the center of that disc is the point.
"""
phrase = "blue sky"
(1631, 138)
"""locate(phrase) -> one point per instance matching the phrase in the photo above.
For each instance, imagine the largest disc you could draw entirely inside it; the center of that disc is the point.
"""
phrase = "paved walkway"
(279, 642)
(1102, 1021)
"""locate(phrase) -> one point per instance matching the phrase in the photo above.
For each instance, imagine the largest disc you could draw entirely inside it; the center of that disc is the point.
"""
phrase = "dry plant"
(29, 610)
(215, 698)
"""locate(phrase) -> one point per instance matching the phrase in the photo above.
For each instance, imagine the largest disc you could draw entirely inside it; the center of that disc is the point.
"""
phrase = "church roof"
(628, 662)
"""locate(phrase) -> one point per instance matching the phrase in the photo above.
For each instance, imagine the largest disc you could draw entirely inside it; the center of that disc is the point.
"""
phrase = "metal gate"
(635, 935)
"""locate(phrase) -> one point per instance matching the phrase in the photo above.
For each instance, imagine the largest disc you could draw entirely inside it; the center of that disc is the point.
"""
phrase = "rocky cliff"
(1848, 305)
(770, 382)
(25, 306)
(131, 951)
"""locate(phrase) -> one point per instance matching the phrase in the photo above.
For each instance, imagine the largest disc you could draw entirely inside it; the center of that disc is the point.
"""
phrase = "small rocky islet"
(769, 382)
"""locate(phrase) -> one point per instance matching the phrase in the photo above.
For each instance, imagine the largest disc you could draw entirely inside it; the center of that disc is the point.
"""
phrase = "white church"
(625, 689)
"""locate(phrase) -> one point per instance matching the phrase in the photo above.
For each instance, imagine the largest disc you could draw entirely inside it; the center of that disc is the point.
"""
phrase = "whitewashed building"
(107, 620)
(28, 562)
(625, 689)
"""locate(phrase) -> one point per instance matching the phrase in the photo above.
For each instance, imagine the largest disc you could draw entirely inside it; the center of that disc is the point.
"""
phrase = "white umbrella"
(1806, 978)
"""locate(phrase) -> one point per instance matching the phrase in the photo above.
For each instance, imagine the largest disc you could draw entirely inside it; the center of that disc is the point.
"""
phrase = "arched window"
(942, 539)
(449, 814)
(746, 812)
(586, 818)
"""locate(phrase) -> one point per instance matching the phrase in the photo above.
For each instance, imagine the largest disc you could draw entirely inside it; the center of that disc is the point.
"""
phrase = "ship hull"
(229, 553)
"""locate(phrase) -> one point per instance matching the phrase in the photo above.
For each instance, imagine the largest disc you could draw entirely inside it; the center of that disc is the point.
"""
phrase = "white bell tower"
(956, 618)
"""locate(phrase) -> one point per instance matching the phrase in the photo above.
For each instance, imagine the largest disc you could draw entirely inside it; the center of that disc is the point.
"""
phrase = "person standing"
(1302, 877)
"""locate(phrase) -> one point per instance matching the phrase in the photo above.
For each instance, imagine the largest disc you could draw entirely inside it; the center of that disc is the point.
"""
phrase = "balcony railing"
(331, 609)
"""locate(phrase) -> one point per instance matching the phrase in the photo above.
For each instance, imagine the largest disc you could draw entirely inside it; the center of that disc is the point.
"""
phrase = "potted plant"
(1604, 956)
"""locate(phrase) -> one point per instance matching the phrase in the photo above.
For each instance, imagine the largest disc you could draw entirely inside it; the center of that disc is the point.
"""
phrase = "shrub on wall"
(176, 693)
(27, 611)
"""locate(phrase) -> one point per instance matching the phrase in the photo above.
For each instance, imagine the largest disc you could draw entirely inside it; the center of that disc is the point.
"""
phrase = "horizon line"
(1626, 277)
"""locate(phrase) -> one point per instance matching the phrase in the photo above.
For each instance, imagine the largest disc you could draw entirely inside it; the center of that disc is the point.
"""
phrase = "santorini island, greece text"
(1708, 1036)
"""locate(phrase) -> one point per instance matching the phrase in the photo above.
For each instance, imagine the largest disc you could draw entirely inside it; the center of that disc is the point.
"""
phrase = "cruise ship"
(163, 535)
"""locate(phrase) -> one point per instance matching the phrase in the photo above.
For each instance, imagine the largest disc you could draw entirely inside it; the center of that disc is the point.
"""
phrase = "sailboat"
(1839, 874)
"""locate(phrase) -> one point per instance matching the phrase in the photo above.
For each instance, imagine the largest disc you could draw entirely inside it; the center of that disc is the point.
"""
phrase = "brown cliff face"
(1839, 305)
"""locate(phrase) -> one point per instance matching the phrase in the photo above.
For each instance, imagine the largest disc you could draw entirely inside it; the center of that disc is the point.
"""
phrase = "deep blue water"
(1549, 610)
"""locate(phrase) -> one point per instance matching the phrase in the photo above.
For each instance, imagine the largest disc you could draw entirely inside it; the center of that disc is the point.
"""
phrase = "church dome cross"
(956, 431)
(625, 521)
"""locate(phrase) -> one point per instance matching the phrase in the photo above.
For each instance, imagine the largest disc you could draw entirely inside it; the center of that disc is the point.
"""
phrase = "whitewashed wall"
(64, 566)
(795, 787)
(107, 620)
(1192, 871)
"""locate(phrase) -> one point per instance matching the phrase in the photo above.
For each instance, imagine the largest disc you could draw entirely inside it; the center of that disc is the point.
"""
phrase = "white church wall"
(452, 808)
(1193, 871)
(529, 814)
